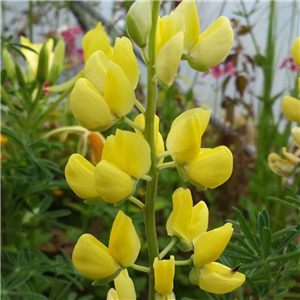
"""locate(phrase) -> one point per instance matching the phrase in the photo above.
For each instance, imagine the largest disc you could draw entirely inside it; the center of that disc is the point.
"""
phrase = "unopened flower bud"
(8, 64)
(139, 22)
(43, 64)
(57, 63)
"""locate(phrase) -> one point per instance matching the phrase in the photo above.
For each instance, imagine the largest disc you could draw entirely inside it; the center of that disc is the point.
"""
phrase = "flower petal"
(93, 259)
(118, 91)
(164, 271)
(295, 51)
(113, 185)
(124, 286)
(279, 166)
(125, 58)
(211, 168)
(219, 279)
(214, 43)
(94, 40)
(124, 243)
(95, 70)
(209, 245)
(89, 107)
(291, 108)
(296, 135)
(80, 177)
(112, 295)
(191, 23)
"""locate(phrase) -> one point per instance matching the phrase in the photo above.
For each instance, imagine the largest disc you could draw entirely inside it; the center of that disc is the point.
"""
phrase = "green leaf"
(28, 296)
(246, 230)
(285, 203)
(45, 205)
(285, 257)
(22, 46)
(277, 235)
(19, 281)
(266, 239)
(238, 249)
(57, 213)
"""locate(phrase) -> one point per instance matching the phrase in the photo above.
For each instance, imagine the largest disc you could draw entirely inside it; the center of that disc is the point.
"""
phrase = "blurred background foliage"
(42, 218)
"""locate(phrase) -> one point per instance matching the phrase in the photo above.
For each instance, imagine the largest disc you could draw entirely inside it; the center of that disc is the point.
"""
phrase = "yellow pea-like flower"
(295, 51)
(185, 221)
(80, 176)
(202, 167)
(291, 108)
(164, 271)
(296, 135)
(94, 40)
(158, 140)
(279, 166)
(124, 288)
(184, 138)
(93, 259)
(211, 167)
(89, 107)
(214, 43)
(169, 47)
(219, 279)
(209, 245)
(125, 159)
(95, 101)
(96, 261)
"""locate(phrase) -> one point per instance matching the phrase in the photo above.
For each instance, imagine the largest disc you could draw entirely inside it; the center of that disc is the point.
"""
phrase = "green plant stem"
(162, 155)
(183, 262)
(30, 21)
(136, 202)
(133, 125)
(168, 248)
(139, 106)
(145, 56)
(149, 211)
(171, 164)
(140, 268)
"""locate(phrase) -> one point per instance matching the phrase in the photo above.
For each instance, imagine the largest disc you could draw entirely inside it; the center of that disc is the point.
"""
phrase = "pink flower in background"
(229, 68)
(217, 71)
(290, 64)
(46, 84)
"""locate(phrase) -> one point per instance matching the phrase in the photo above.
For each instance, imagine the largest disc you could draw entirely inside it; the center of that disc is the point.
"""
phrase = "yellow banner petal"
(164, 271)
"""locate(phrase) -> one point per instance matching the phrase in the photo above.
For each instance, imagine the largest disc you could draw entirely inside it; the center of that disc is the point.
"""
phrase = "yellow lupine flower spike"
(186, 221)
(295, 51)
(96, 261)
(124, 288)
(164, 271)
(125, 159)
(94, 40)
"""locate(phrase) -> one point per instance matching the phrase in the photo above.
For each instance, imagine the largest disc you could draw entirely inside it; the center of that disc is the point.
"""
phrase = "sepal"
(107, 279)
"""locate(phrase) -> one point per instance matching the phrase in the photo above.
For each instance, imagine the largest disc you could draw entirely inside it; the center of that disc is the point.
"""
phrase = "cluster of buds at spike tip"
(42, 62)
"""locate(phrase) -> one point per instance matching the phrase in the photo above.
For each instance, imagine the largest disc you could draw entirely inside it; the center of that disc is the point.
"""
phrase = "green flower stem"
(171, 164)
(146, 177)
(133, 125)
(140, 268)
(145, 56)
(71, 129)
(162, 155)
(139, 106)
(187, 262)
(137, 202)
(168, 248)
(30, 23)
(149, 211)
